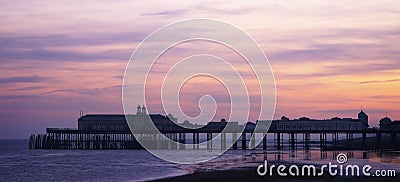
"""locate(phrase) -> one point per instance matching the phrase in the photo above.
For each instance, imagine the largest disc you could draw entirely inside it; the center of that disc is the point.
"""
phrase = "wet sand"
(244, 168)
(250, 174)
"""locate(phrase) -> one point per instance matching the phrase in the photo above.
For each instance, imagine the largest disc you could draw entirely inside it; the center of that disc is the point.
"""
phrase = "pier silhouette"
(112, 131)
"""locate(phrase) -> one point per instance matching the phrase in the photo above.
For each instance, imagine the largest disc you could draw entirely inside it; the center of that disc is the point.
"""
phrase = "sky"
(329, 58)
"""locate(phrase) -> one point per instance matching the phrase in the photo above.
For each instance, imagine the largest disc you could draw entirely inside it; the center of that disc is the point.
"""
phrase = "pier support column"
(322, 138)
(182, 140)
(253, 141)
(278, 144)
(174, 138)
(378, 139)
(244, 141)
(265, 141)
(197, 140)
(194, 140)
(308, 141)
(209, 139)
(335, 139)
(292, 141)
(31, 139)
(223, 141)
(164, 144)
(234, 141)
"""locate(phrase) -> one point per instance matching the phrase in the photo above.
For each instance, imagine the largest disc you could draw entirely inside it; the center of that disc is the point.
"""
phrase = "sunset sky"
(329, 58)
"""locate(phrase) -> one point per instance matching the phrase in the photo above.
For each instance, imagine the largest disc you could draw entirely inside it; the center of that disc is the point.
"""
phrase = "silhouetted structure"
(111, 131)
(117, 122)
(386, 124)
(334, 124)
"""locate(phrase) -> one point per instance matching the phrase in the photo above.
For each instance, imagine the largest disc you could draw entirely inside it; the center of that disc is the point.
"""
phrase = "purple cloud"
(24, 79)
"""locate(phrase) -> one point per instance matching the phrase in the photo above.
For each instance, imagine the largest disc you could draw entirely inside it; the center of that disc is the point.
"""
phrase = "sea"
(18, 163)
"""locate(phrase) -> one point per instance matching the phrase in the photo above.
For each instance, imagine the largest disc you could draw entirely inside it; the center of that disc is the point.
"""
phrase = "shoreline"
(250, 174)
(245, 169)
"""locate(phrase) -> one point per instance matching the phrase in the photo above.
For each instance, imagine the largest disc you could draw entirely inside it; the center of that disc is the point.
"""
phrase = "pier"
(59, 138)
(110, 131)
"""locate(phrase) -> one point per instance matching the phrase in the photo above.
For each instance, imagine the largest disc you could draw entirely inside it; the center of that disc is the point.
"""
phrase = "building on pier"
(117, 122)
(334, 124)
(386, 124)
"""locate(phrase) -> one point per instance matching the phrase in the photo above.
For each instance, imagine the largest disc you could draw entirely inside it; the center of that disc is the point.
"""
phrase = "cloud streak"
(24, 79)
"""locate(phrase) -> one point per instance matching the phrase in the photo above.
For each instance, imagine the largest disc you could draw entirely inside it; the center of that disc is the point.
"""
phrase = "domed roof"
(385, 120)
(362, 113)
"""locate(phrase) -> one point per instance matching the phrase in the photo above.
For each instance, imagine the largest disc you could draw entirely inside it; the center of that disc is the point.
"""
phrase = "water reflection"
(252, 158)
(392, 157)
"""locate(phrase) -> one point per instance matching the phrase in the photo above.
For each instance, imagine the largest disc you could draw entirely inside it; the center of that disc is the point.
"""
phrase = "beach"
(245, 169)
(249, 174)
